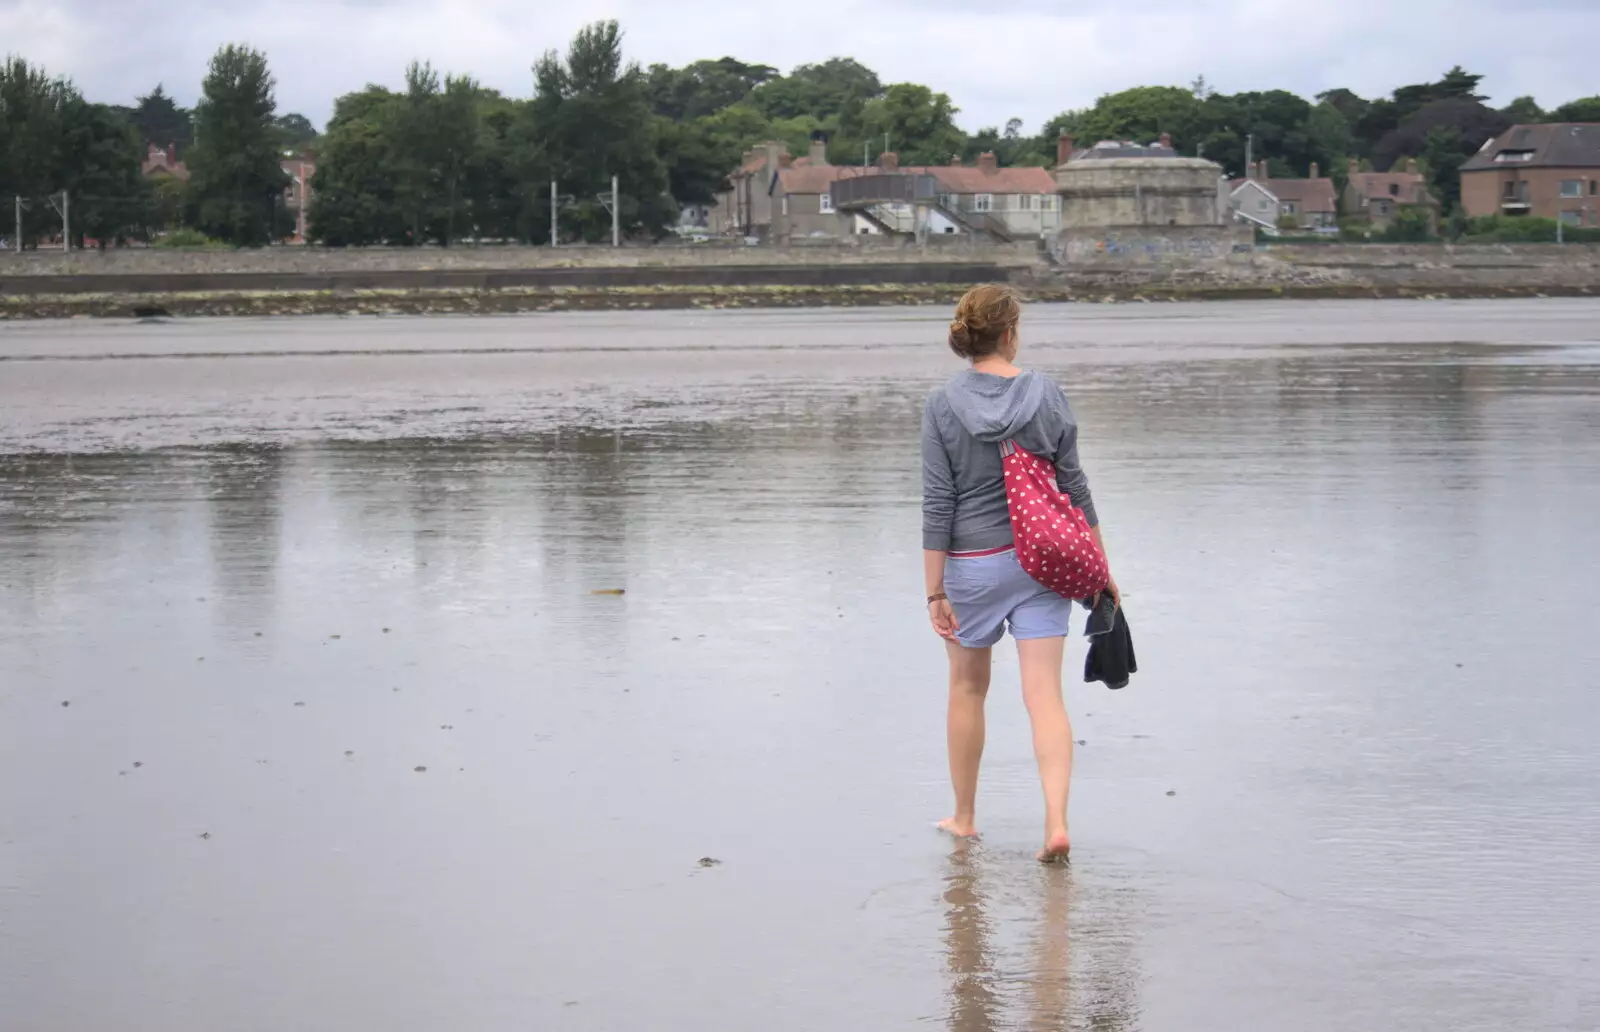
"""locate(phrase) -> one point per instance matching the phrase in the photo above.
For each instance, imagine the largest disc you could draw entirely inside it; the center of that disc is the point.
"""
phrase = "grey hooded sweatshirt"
(963, 481)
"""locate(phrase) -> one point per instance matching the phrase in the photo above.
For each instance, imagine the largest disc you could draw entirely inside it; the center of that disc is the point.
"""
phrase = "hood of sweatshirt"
(995, 408)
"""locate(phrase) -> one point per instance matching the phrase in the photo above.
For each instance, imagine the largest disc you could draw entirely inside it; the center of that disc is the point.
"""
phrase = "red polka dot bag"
(1052, 535)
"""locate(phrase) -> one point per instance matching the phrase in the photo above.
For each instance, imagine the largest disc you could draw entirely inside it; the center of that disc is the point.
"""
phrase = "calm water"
(310, 717)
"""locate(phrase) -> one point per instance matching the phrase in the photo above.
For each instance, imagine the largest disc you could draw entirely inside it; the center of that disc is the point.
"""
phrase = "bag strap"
(1008, 449)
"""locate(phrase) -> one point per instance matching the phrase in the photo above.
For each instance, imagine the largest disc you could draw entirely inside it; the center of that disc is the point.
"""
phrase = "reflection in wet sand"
(1009, 947)
(974, 1003)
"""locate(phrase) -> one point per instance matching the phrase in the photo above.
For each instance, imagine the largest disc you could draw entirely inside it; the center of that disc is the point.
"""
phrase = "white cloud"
(1028, 58)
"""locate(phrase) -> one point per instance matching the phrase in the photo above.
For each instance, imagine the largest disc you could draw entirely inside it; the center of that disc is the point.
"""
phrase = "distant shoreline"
(463, 301)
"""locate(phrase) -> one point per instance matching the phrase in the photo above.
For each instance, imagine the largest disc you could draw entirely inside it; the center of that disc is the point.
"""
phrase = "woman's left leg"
(1040, 659)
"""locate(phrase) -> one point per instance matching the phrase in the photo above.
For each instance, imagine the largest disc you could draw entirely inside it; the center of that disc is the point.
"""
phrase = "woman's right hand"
(943, 618)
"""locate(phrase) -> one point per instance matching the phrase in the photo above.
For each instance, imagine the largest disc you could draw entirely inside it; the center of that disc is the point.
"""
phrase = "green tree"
(352, 199)
(236, 183)
(918, 124)
(1280, 122)
(32, 108)
(1412, 224)
(1329, 139)
(159, 120)
(1584, 110)
(1142, 114)
(1523, 111)
(704, 87)
(295, 131)
(412, 127)
(100, 167)
(592, 109)
(1443, 134)
(51, 140)
(700, 153)
(836, 89)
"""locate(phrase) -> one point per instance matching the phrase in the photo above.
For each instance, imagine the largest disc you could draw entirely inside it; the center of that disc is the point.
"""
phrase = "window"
(1513, 156)
(1394, 189)
(1024, 202)
(1048, 201)
(825, 204)
(1290, 208)
(982, 202)
(1572, 188)
(786, 204)
(1262, 204)
(1571, 218)
(1511, 190)
(1593, 184)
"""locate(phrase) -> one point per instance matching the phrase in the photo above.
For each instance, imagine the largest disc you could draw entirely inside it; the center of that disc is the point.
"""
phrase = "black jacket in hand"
(1110, 656)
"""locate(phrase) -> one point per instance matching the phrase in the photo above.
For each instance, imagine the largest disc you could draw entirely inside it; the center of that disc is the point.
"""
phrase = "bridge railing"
(884, 188)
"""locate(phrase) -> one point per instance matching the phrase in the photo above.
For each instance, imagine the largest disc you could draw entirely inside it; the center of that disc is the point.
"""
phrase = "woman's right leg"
(1040, 659)
(969, 687)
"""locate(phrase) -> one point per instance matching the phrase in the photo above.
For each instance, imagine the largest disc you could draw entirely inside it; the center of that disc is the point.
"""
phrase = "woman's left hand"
(1112, 590)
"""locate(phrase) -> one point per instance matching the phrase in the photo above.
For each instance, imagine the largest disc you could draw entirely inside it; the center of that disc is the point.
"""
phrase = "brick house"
(297, 195)
(1546, 171)
(1375, 197)
(163, 164)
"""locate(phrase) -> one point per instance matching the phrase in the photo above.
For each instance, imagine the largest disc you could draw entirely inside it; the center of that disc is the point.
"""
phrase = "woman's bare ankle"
(961, 825)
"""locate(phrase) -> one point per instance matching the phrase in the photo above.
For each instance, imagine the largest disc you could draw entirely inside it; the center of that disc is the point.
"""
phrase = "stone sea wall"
(866, 250)
(296, 281)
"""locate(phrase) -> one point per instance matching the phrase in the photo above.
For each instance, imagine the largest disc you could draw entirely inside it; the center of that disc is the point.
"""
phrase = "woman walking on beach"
(977, 588)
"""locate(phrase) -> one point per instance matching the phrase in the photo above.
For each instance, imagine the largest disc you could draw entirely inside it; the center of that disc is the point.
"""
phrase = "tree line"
(444, 159)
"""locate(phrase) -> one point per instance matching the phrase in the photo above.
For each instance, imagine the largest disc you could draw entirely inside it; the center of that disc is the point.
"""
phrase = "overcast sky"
(996, 58)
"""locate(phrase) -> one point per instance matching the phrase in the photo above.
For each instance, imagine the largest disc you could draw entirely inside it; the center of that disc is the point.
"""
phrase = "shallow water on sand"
(311, 716)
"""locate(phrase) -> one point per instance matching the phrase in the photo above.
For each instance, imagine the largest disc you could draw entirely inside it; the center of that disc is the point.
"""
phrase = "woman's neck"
(995, 365)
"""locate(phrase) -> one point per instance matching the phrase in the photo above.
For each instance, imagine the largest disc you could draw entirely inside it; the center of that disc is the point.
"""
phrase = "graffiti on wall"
(1100, 245)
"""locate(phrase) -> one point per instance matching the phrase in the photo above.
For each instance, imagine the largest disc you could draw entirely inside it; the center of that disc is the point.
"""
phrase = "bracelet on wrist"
(938, 597)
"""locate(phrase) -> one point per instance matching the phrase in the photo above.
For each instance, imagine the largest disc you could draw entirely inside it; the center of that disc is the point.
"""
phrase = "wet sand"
(310, 716)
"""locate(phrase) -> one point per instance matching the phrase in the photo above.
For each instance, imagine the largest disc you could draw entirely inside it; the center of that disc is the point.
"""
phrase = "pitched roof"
(1554, 145)
(1235, 185)
(808, 178)
(1412, 188)
(966, 179)
(1310, 194)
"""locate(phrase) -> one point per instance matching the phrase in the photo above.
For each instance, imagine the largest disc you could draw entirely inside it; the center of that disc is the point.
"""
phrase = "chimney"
(775, 156)
(172, 154)
(955, 161)
(889, 161)
(1261, 171)
(1316, 171)
(1411, 165)
(1166, 140)
(1354, 168)
(1064, 148)
(819, 149)
(988, 163)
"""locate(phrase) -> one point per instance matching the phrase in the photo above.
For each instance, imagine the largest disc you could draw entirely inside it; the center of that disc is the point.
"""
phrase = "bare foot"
(959, 827)
(1055, 849)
